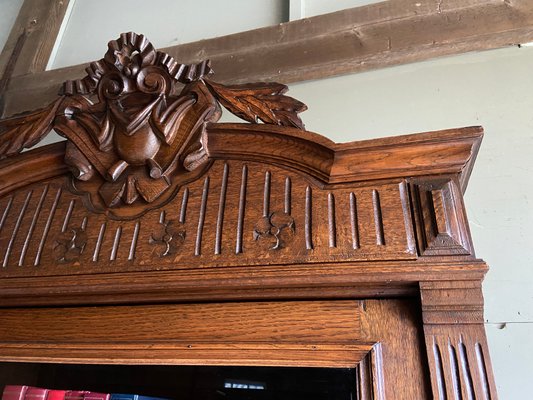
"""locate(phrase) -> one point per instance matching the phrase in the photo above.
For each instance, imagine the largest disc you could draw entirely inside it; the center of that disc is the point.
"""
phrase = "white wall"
(9, 10)
(308, 8)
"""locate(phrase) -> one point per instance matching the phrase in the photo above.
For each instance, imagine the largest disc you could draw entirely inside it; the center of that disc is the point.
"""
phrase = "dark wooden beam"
(31, 40)
(354, 40)
(38, 22)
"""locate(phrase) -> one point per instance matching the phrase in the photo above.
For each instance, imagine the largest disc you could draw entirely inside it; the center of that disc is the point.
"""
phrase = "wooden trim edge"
(307, 281)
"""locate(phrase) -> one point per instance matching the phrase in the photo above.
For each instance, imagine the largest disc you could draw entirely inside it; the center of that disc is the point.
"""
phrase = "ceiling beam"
(32, 38)
(348, 41)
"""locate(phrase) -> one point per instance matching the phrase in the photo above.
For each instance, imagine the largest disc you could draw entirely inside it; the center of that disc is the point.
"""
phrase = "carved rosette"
(169, 237)
(134, 125)
(275, 229)
(69, 246)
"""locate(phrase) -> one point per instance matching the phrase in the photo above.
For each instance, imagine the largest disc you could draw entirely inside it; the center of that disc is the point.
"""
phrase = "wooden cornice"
(441, 152)
(348, 41)
(449, 151)
(297, 213)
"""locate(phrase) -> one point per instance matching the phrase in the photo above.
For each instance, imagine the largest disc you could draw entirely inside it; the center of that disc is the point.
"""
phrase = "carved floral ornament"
(135, 124)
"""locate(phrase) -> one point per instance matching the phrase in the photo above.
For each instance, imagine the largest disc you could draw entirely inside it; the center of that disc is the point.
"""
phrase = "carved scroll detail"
(133, 131)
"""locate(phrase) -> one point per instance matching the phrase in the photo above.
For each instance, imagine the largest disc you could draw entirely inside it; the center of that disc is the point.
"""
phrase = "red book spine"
(56, 395)
(34, 393)
(96, 396)
(14, 392)
(74, 395)
(85, 395)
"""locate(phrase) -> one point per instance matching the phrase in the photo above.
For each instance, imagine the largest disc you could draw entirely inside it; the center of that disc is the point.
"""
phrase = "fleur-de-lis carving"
(272, 226)
(170, 236)
(70, 245)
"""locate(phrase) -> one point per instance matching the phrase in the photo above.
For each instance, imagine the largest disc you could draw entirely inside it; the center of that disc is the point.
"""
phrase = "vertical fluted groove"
(454, 371)
(67, 215)
(266, 195)
(32, 225)
(201, 218)
(184, 202)
(406, 209)
(6, 212)
(242, 205)
(465, 367)
(482, 371)
(332, 227)
(308, 218)
(288, 193)
(378, 218)
(47, 226)
(440, 372)
(116, 243)
(134, 239)
(16, 228)
(99, 241)
(221, 209)
(354, 222)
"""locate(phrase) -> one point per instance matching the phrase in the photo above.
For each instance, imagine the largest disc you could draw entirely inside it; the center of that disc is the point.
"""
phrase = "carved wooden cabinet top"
(150, 199)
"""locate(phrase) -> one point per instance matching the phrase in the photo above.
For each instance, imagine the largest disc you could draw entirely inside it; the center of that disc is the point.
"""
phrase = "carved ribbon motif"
(134, 125)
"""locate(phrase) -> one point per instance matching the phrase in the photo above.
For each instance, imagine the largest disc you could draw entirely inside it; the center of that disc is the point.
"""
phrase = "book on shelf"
(85, 395)
(34, 393)
(125, 396)
(21, 392)
(14, 392)
(56, 394)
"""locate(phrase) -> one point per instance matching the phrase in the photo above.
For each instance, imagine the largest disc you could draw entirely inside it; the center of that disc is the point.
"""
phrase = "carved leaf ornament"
(134, 124)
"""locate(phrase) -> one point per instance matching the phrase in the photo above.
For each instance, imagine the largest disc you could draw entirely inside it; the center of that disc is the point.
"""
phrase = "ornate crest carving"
(134, 125)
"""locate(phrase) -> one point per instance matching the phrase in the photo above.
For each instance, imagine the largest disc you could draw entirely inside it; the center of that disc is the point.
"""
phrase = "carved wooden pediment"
(135, 124)
(148, 181)
(150, 200)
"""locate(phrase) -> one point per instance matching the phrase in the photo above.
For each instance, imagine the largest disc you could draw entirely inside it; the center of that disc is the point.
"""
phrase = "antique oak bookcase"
(154, 235)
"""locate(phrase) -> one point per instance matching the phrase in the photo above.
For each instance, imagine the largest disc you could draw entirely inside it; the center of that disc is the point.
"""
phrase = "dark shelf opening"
(189, 382)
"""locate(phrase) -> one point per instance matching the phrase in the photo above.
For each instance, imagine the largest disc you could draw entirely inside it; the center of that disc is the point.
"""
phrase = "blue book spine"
(125, 396)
